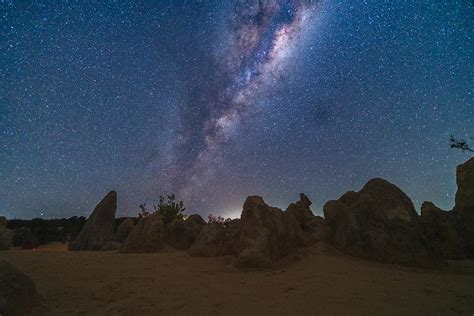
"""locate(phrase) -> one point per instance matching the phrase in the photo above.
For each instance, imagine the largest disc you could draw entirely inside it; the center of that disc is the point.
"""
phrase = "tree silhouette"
(460, 144)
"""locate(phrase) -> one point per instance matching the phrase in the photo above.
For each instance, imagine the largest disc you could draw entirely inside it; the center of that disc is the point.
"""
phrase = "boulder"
(308, 227)
(216, 239)
(112, 246)
(379, 222)
(441, 228)
(465, 183)
(124, 230)
(178, 236)
(464, 207)
(147, 236)
(194, 223)
(6, 238)
(183, 233)
(18, 294)
(99, 228)
(264, 235)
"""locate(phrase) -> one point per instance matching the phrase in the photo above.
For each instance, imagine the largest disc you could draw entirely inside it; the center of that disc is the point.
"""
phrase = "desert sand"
(316, 281)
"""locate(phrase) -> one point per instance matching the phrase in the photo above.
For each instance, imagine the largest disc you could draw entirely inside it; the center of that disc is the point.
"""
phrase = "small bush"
(169, 209)
(211, 219)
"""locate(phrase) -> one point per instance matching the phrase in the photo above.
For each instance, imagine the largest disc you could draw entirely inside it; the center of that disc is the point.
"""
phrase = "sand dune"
(320, 281)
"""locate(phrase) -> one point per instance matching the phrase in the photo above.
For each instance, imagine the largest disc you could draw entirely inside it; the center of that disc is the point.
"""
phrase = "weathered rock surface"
(465, 183)
(379, 222)
(112, 246)
(464, 208)
(194, 223)
(147, 236)
(99, 228)
(18, 294)
(183, 233)
(6, 237)
(124, 230)
(307, 227)
(262, 235)
(441, 228)
(216, 240)
(452, 232)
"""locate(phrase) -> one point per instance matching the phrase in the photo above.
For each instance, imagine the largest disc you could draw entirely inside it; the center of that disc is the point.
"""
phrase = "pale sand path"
(322, 282)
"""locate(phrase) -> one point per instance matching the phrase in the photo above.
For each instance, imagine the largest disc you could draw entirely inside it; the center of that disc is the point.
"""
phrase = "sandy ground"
(319, 282)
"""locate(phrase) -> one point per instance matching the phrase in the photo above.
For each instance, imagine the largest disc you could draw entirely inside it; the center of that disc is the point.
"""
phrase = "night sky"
(217, 100)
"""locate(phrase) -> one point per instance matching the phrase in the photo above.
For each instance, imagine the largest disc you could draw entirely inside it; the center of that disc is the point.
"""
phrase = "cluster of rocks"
(6, 235)
(263, 234)
(149, 235)
(379, 222)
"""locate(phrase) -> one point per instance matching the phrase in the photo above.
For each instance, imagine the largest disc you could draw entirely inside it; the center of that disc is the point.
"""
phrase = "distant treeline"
(29, 234)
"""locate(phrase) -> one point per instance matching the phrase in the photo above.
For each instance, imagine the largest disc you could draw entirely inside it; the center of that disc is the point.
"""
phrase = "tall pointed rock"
(99, 228)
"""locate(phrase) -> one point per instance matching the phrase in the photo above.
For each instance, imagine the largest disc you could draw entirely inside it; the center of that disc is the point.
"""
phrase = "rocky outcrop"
(262, 235)
(464, 208)
(147, 236)
(452, 232)
(441, 228)
(217, 240)
(99, 228)
(124, 229)
(379, 222)
(307, 227)
(465, 183)
(18, 294)
(183, 233)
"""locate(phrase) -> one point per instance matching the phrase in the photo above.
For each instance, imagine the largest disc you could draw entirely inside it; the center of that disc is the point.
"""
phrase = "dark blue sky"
(217, 100)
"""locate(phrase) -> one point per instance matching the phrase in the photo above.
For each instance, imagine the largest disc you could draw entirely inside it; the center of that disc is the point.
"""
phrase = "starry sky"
(218, 100)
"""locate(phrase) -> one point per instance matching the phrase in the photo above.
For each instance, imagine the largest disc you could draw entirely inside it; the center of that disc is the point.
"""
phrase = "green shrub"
(170, 209)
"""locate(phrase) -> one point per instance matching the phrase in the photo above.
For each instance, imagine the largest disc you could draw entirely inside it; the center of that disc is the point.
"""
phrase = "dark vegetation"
(212, 219)
(461, 144)
(169, 209)
(30, 234)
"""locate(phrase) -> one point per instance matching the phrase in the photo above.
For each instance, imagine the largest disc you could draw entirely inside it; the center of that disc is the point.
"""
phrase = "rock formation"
(452, 232)
(183, 233)
(262, 235)
(124, 230)
(147, 236)
(99, 228)
(379, 222)
(18, 294)
(308, 228)
(465, 183)
(441, 228)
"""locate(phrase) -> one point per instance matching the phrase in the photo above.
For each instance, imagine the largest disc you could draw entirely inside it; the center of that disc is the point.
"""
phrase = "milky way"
(215, 100)
(262, 36)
